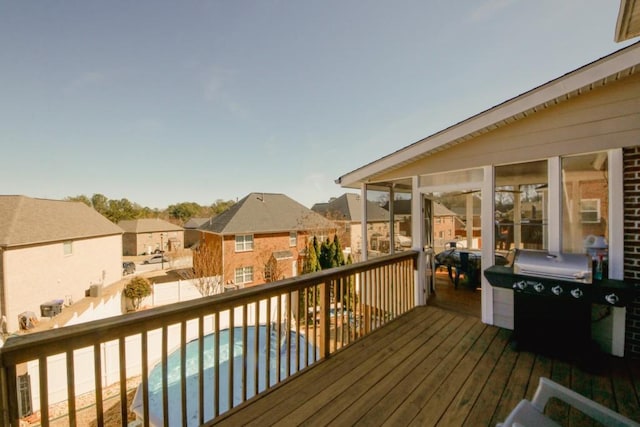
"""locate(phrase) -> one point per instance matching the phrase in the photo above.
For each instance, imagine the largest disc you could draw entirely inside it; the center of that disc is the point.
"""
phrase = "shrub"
(136, 290)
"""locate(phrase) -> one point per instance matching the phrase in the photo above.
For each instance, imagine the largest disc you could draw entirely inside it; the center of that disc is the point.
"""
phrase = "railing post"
(9, 396)
(4, 403)
(325, 334)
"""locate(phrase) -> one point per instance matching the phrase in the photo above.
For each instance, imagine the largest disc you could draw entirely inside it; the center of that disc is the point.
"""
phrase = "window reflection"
(585, 205)
(521, 206)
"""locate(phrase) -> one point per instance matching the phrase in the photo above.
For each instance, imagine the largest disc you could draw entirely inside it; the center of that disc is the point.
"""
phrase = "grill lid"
(553, 265)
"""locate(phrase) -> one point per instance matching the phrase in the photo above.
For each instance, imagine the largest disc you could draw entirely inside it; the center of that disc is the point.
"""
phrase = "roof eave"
(610, 68)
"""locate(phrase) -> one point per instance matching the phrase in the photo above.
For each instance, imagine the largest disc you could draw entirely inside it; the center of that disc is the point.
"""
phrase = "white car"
(156, 259)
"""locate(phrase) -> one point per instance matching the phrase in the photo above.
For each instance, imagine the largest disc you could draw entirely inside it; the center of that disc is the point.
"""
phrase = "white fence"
(163, 293)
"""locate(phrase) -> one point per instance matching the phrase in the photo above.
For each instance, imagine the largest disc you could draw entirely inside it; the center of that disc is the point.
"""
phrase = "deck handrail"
(379, 274)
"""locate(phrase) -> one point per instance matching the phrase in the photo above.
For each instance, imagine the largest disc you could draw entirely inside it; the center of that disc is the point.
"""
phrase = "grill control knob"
(557, 290)
(577, 293)
(520, 285)
(612, 299)
(539, 287)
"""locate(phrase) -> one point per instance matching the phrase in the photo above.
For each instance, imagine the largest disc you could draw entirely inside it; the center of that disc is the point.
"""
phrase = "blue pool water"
(192, 360)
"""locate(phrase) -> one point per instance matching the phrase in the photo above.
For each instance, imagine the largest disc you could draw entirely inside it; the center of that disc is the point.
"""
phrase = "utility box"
(51, 308)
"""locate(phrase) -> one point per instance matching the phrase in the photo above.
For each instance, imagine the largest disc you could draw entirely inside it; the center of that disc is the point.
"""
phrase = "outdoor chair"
(531, 413)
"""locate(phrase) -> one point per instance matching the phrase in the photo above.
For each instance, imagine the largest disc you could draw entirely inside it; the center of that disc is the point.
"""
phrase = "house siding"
(632, 244)
(92, 261)
(605, 118)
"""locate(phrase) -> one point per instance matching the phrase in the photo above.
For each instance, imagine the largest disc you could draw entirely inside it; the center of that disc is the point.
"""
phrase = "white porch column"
(363, 239)
(469, 218)
(554, 229)
(517, 218)
(616, 244)
(488, 229)
(417, 242)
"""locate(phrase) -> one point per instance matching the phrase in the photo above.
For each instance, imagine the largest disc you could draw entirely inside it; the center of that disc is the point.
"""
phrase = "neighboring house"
(149, 235)
(263, 237)
(52, 250)
(572, 143)
(191, 232)
(445, 223)
(346, 212)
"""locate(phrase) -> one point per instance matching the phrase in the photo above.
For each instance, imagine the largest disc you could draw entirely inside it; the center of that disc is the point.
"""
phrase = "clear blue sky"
(162, 102)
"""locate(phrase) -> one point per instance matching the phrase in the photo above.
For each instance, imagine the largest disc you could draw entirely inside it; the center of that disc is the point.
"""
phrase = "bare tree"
(207, 270)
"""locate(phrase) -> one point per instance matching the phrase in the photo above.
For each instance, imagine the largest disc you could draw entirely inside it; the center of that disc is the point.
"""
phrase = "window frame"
(243, 273)
(597, 211)
(244, 242)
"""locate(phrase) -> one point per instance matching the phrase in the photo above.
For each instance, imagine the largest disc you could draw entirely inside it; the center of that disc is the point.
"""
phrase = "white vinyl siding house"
(53, 250)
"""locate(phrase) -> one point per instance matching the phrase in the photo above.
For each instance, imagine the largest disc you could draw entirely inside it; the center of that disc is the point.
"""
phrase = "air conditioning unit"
(95, 291)
(51, 308)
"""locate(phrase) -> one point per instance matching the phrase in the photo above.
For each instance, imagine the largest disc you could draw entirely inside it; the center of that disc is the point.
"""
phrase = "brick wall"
(632, 245)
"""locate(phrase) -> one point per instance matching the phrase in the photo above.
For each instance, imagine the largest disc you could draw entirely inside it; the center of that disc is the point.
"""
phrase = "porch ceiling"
(611, 68)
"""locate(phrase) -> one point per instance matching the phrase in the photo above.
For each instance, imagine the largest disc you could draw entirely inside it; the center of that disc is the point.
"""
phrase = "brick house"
(52, 250)
(148, 235)
(263, 237)
(346, 212)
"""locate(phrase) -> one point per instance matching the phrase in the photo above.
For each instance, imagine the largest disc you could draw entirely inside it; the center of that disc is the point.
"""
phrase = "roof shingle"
(24, 220)
(266, 213)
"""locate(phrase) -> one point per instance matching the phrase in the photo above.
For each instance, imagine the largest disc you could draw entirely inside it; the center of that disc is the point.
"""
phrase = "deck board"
(434, 367)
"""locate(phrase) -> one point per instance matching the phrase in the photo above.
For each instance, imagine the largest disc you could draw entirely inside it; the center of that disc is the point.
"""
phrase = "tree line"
(117, 210)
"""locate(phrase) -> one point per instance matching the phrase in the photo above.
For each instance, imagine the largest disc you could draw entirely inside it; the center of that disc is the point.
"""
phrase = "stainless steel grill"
(557, 266)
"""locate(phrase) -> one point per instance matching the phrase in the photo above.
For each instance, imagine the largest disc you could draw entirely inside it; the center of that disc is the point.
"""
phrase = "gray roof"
(266, 213)
(194, 223)
(348, 208)
(147, 225)
(24, 220)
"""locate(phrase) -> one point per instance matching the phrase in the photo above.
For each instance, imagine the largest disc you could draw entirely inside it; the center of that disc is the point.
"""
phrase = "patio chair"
(531, 413)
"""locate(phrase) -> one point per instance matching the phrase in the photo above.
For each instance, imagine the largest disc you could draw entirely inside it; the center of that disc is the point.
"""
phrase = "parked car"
(128, 267)
(156, 259)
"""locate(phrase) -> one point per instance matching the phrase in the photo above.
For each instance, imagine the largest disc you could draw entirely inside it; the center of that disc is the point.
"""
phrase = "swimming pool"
(192, 359)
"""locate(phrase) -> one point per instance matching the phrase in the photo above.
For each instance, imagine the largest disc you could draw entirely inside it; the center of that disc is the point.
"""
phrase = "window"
(590, 210)
(293, 239)
(585, 196)
(244, 275)
(244, 242)
(521, 206)
(68, 247)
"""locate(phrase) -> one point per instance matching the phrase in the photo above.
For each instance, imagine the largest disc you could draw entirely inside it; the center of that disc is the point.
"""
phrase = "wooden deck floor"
(433, 367)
